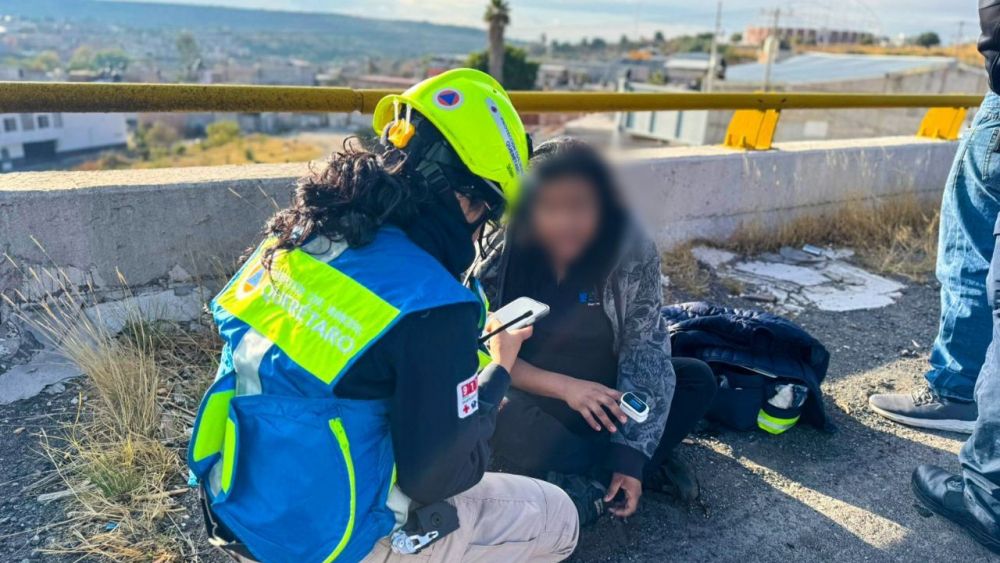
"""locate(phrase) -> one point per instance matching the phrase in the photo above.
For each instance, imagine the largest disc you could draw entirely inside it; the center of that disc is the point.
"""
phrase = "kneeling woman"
(574, 247)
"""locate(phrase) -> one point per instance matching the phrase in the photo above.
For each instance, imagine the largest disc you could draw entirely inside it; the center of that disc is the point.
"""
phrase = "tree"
(736, 38)
(928, 39)
(498, 17)
(598, 44)
(46, 61)
(221, 133)
(189, 54)
(82, 58)
(519, 73)
(115, 59)
(659, 38)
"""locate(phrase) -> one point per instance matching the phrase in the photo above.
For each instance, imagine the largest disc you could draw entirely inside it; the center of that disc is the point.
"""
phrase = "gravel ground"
(803, 496)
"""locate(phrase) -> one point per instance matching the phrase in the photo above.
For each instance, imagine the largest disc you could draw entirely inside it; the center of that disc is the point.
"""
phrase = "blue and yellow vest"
(297, 473)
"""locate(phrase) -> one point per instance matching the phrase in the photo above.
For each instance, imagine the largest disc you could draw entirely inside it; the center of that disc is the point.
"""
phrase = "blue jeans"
(969, 209)
(980, 456)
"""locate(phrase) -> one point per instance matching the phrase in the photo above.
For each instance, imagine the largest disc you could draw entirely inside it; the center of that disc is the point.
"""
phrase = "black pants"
(530, 441)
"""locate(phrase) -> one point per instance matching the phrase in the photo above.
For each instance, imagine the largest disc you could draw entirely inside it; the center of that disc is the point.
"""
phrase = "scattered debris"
(793, 279)
(46, 498)
(27, 380)
(178, 305)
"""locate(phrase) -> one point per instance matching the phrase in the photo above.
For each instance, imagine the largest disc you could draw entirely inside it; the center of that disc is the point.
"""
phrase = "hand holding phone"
(505, 344)
(519, 313)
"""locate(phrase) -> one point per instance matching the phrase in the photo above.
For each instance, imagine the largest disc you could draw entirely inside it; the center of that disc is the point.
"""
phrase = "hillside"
(313, 36)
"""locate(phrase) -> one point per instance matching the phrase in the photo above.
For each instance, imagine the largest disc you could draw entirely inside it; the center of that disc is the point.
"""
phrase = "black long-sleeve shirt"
(989, 41)
(421, 364)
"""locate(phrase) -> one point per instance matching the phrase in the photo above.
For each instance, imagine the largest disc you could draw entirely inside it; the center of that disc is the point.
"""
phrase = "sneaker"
(924, 409)
(587, 495)
(943, 493)
(674, 478)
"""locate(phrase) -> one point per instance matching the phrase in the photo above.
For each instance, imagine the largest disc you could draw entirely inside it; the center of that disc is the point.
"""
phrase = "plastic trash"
(789, 396)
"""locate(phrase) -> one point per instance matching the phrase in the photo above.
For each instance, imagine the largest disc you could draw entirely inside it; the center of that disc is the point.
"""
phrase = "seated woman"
(574, 247)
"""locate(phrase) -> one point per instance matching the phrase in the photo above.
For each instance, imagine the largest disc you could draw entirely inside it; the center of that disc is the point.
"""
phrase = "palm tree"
(498, 17)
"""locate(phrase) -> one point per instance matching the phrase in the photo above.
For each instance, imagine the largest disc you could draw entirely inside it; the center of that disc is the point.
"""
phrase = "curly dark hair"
(348, 199)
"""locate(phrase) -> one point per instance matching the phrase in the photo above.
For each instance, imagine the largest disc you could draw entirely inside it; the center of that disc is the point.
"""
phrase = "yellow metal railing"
(752, 126)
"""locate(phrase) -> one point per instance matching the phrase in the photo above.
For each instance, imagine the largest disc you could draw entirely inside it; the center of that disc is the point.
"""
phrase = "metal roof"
(812, 68)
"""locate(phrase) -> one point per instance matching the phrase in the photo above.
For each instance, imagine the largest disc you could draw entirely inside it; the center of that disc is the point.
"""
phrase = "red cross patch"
(468, 397)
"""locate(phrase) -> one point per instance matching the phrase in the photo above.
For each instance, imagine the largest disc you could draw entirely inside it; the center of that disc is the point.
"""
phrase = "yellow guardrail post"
(752, 129)
(942, 123)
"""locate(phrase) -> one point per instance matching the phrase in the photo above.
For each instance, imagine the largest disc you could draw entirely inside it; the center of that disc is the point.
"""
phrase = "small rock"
(18, 430)
(761, 297)
(55, 389)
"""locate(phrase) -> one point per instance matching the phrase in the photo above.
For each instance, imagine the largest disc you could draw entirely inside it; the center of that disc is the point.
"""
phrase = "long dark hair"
(560, 158)
(348, 199)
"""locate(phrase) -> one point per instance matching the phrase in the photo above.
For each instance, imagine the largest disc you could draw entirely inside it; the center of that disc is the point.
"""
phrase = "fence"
(751, 128)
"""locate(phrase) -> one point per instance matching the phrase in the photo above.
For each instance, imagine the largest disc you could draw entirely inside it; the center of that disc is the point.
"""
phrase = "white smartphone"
(634, 407)
(519, 313)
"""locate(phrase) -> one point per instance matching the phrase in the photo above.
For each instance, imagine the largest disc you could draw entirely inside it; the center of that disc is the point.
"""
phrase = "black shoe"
(943, 493)
(674, 478)
(587, 495)
(924, 409)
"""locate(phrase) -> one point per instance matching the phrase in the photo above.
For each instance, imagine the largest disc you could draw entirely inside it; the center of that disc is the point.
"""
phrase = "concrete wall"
(157, 227)
(710, 192)
(169, 228)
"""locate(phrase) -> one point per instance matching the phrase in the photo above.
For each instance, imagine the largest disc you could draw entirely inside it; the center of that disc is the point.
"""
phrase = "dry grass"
(898, 236)
(685, 272)
(121, 460)
(245, 150)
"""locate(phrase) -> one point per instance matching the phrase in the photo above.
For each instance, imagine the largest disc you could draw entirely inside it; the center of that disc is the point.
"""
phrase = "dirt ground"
(802, 496)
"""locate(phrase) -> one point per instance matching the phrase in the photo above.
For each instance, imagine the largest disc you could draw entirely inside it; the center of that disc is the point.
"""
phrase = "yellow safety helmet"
(475, 116)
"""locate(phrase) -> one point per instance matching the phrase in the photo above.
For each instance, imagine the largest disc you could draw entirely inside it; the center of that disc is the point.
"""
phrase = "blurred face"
(565, 218)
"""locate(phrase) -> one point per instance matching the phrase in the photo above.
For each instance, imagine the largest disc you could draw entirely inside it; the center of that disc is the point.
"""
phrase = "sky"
(609, 19)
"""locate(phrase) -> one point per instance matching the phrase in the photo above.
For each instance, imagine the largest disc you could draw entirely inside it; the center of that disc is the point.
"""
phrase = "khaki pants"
(503, 518)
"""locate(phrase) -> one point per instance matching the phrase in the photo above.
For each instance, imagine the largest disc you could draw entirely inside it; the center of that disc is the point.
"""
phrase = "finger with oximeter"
(634, 407)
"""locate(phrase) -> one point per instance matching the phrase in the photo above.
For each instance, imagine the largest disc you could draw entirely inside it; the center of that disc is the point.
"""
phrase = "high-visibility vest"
(295, 472)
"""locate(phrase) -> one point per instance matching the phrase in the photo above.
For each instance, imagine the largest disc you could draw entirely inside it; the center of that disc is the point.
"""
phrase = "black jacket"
(754, 340)
(989, 41)
(419, 365)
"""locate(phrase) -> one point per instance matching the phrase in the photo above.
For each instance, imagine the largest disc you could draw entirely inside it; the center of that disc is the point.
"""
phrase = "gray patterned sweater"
(632, 300)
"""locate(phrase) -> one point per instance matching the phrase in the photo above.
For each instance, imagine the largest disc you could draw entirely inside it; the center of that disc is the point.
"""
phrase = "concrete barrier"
(174, 228)
(710, 192)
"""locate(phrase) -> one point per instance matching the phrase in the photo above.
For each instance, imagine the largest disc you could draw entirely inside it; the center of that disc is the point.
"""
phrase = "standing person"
(573, 247)
(970, 206)
(347, 403)
(972, 500)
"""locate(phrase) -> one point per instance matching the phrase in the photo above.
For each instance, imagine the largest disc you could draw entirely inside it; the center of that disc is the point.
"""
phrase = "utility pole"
(771, 50)
(713, 57)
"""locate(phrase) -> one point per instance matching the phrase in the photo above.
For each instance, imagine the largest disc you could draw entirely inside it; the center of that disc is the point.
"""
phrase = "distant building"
(754, 36)
(290, 72)
(441, 63)
(32, 139)
(691, 68)
(818, 72)
(382, 82)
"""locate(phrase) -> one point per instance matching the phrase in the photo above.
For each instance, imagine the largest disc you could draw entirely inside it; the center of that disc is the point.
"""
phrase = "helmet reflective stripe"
(773, 424)
(505, 131)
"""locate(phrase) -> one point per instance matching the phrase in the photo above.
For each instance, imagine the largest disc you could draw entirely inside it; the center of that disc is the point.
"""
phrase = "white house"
(30, 139)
